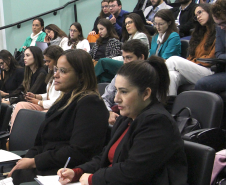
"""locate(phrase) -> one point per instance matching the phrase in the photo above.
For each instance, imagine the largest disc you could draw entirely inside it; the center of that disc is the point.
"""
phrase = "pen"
(66, 164)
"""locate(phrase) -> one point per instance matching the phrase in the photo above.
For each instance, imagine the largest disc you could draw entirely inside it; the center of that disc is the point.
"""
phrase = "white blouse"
(84, 44)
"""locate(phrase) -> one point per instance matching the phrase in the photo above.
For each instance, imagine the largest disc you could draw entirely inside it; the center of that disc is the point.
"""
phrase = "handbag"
(186, 124)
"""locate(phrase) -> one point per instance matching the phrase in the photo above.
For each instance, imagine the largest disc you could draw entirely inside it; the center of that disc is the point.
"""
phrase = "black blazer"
(186, 19)
(151, 152)
(78, 132)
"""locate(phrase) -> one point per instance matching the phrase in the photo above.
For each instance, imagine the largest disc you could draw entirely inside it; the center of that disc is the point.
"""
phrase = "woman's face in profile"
(28, 58)
(102, 30)
(36, 27)
(130, 101)
(3, 65)
(130, 26)
(65, 76)
(50, 33)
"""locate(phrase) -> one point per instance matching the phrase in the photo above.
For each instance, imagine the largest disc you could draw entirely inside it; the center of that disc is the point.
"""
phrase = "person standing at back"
(117, 15)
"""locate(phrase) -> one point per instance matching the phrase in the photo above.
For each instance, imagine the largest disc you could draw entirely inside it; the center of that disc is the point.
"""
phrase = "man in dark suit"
(184, 16)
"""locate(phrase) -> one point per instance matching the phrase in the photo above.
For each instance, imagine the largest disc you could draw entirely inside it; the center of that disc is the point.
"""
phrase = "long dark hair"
(53, 52)
(102, 14)
(80, 37)
(10, 61)
(57, 31)
(41, 22)
(139, 26)
(111, 33)
(151, 73)
(199, 31)
(167, 16)
(38, 62)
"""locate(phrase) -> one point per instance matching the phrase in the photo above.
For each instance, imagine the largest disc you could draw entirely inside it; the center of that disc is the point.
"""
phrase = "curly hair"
(199, 32)
(218, 9)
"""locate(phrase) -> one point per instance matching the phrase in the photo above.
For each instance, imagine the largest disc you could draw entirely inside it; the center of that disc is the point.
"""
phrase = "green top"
(28, 41)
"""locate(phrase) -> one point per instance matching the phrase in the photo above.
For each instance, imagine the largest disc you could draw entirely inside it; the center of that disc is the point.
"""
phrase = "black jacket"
(151, 152)
(186, 19)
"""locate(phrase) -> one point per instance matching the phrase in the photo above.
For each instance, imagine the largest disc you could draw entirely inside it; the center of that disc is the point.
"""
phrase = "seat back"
(5, 115)
(184, 48)
(206, 107)
(200, 159)
(25, 129)
(101, 87)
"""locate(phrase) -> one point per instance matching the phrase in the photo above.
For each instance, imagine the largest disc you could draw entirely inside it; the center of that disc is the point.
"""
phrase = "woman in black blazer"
(75, 126)
(145, 147)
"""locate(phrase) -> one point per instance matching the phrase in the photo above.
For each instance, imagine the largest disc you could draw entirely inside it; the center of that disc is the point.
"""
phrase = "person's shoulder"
(174, 35)
(91, 98)
(113, 40)
(19, 70)
(124, 12)
(42, 70)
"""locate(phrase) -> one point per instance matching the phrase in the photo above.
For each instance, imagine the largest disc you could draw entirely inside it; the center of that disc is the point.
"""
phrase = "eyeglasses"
(128, 23)
(222, 24)
(74, 31)
(198, 14)
(112, 6)
(106, 6)
(158, 24)
(62, 71)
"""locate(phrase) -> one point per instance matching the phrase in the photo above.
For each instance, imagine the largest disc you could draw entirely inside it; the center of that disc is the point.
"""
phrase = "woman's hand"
(24, 163)
(92, 33)
(65, 176)
(3, 93)
(6, 102)
(84, 178)
(149, 22)
(112, 117)
(47, 39)
(32, 100)
(30, 94)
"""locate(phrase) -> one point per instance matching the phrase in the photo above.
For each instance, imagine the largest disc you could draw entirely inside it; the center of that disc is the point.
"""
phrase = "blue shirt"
(119, 22)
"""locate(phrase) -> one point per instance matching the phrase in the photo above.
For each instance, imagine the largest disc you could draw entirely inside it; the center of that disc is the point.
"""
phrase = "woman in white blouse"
(42, 102)
(76, 39)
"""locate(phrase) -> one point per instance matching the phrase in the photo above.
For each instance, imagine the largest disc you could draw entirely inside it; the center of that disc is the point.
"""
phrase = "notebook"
(8, 156)
(7, 181)
(42, 45)
(51, 179)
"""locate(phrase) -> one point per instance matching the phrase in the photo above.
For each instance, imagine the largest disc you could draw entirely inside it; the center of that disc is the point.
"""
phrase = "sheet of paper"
(51, 179)
(8, 156)
(7, 181)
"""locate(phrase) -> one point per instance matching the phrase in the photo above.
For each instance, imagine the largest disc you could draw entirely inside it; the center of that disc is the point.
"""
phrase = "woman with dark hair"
(166, 42)
(108, 45)
(12, 74)
(42, 102)
(76, 39)
(34, 76)
(201, 45)
(55, 36)
(134, 29)
(104, 14)
(145, 146)
(75, 126)
(37, 34)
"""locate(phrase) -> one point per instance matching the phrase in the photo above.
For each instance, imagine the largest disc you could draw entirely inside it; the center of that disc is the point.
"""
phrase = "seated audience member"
(146, 146)
(202, 45)
(217, 82)
(42, 102)
(76, 39)
(141, 5)
(166, 42)
(55, 36)
(37, 34)
(184, 16)
(108, 44)
(12, 74)
(150, 11)
(34, 76)
(134, 29)
(131, 51)
(105, 13)
(117, 15)
(75, 126)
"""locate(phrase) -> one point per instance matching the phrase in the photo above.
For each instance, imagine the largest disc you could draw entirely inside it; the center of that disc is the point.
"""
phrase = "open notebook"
(8, 156)
(7, 181)
(50, 180)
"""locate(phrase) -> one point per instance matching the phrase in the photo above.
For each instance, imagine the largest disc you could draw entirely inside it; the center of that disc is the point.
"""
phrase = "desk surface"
(30, 183)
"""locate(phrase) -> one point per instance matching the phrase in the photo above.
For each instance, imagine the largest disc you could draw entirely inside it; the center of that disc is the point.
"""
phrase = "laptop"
(42, 45)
